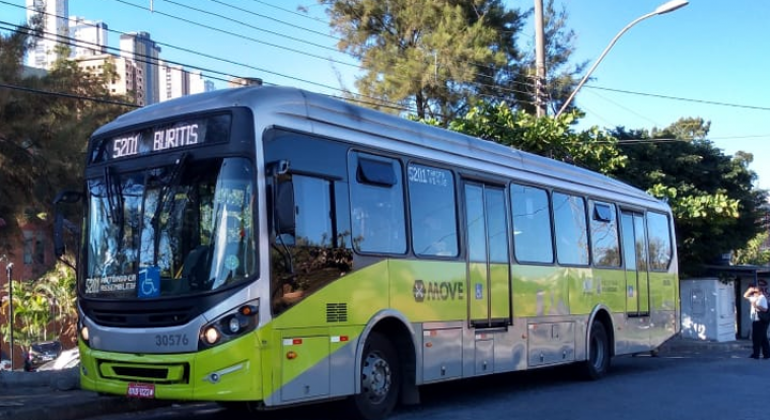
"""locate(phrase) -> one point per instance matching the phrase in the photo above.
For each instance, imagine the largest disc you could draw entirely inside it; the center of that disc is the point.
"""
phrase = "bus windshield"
(173, 230)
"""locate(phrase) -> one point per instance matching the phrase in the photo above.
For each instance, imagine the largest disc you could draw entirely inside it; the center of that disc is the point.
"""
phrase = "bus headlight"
(83, 331)
(211, 335)
(233, 323)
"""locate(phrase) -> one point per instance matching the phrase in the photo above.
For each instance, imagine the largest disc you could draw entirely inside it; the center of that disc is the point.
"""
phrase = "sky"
(711, 54)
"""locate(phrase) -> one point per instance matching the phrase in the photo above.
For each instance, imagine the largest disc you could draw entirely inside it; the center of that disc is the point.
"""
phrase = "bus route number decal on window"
(110, 284)
(427, 176)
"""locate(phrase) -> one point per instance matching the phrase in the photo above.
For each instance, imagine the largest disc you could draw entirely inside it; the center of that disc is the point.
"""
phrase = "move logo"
(437, 290)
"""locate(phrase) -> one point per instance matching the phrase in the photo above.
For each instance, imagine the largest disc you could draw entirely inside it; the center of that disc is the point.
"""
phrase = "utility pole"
(539, 59)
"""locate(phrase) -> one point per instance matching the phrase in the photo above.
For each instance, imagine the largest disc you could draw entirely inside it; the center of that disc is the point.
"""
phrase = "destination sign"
(174, 137)
(163, 138)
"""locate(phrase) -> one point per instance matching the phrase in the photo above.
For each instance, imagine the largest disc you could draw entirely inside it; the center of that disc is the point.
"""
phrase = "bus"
(266, 247)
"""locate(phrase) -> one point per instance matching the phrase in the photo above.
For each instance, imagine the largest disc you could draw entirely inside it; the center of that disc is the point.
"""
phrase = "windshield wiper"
(114, 203)
(171, 184)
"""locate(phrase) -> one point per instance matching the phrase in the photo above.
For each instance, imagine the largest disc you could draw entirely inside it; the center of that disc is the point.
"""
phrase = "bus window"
(532, 230)
(377, 204)
(660, 241)
(569, 214)
(604, 235)
(315, 257)
(432, 209)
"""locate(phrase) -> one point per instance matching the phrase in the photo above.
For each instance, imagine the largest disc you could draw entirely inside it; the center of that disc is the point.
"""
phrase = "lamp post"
(662, 9)
(8, 272)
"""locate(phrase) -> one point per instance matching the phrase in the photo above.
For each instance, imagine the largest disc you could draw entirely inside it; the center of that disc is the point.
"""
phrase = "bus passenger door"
(635, 257)
(489, 294)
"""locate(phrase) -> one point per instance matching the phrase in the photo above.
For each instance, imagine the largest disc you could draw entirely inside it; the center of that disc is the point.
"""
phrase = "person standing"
(760, 317)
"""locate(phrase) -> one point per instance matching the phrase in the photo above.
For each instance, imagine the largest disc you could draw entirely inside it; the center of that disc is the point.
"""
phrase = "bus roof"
(321, 114)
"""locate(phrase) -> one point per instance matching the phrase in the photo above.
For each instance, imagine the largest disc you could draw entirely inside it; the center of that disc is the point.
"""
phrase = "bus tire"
(597, 362)
(380, 380)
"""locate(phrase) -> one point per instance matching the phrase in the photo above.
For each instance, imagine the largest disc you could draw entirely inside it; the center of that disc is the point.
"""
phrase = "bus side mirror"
(285, 222)
(58, 235)
(68, 197)
(59, 223)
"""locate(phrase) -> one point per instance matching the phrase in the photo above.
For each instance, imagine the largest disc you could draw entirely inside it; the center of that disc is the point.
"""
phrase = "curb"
(679, 344)
(62, 380)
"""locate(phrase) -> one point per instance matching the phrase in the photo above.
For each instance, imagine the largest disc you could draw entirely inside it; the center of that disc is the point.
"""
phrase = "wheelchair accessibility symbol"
(149, 282)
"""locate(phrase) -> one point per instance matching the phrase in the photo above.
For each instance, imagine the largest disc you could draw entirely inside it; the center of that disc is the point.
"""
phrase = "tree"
(31, 315)
(42, 304)
(59, 287)
(435, 56)
(43, 135)
(553, 137)
(716, 208)
(753, 253)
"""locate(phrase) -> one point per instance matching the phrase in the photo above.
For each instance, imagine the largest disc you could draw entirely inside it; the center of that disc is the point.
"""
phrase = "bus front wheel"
(380, 380)
(598, 361)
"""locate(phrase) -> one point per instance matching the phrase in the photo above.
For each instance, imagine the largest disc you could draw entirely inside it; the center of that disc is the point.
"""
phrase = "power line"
(622, 107)
(259, 41)
(678, 98)
(67, 95)
(154, 61)
(482, 84)
(290, 11)
(143, 58)
(215, 29)
(111, 102)
(302, 28)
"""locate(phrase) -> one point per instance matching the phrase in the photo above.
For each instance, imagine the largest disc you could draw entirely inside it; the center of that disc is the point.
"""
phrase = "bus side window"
(569, 213)
(605, 242)
(432, 210)
(377, 203)
(532, 228)
(659, 241)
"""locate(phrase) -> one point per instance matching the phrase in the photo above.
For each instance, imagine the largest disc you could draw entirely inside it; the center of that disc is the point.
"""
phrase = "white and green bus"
(275, 247)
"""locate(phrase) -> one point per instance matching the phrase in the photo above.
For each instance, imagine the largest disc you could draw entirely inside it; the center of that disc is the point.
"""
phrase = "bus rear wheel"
(598, 362)
(380, 380)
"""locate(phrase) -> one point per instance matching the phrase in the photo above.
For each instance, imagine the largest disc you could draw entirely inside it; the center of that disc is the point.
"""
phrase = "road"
(721, 386)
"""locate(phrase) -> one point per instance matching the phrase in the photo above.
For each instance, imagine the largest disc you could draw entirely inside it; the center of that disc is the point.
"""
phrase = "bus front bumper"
(229, 372)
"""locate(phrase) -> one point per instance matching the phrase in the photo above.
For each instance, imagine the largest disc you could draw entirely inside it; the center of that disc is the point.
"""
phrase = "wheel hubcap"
(376, 378)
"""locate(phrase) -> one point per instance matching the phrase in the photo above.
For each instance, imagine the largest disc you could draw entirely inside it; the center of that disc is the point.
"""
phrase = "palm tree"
(31, 314)
(59, 286)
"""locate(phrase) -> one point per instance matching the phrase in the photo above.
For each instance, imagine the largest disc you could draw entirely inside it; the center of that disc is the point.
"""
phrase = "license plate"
(138, 390)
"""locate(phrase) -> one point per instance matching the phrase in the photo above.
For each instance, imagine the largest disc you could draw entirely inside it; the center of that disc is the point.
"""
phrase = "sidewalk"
(679, 346)
(57, 395)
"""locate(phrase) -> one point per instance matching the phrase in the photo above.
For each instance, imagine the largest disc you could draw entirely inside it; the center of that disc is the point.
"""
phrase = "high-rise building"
(90, 37)
(55, 14)
(139, 47)
(174, 81)
(198, 84)
(129, 80)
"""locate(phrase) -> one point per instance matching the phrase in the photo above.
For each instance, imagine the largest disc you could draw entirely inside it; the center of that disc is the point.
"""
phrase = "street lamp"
(8, 271)
(662, 9)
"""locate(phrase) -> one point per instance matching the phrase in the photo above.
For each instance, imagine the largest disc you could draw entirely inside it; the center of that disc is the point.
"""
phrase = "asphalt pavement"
(57, 395)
